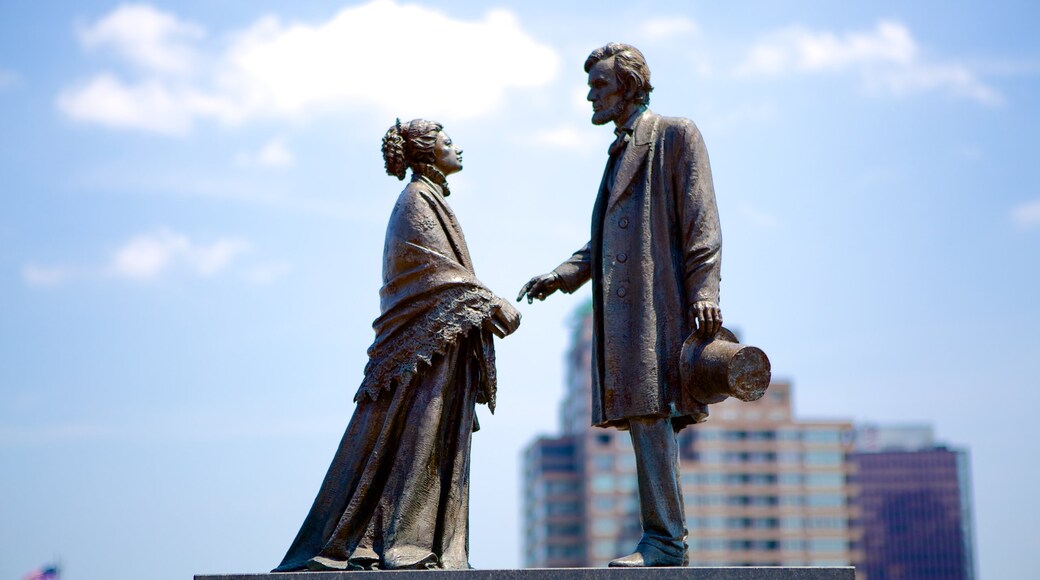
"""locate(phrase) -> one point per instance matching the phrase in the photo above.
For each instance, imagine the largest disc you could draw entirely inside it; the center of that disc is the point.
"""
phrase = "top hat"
(719, 367)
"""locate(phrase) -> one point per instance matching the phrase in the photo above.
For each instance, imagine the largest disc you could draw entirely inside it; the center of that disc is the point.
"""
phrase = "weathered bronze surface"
(717, 368)
(654, 260)
(397, 493)
(728, 573)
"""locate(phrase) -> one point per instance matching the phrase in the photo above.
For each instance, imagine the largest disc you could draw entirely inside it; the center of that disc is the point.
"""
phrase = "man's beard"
(611, 114)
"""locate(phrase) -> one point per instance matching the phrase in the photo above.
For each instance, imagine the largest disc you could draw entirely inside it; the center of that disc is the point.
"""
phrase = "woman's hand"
(505, 319)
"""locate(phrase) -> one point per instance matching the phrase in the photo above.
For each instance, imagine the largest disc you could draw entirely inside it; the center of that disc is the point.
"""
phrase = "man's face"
(447, 157)
(605, 93)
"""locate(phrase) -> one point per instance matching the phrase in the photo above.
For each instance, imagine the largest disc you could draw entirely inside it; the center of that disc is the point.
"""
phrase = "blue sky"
(193, 209)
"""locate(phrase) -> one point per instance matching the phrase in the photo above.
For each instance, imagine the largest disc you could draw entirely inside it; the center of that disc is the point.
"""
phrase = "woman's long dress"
(397, 492)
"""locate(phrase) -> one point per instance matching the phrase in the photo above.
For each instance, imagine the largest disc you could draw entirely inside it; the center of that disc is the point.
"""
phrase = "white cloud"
(1027, 215)
(268, 273)
(804, 50)
(147, 37)
(273, 154)
(579, 99)
(369, 56)
(149, 256)
(665, 28)
(887, 59)
(955, 79)
(568, 137)
(150, 105)
(44, 276)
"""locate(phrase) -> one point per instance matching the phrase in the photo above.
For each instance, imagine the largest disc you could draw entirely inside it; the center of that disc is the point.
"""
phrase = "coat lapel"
(635, 153)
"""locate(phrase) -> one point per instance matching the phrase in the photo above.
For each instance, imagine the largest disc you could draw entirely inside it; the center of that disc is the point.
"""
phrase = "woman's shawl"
(430, 296)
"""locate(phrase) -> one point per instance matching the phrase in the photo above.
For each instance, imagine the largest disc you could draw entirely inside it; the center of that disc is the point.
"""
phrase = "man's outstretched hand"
(539, 287)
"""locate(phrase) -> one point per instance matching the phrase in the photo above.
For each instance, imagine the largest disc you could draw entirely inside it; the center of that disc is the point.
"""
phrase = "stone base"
(745, 573)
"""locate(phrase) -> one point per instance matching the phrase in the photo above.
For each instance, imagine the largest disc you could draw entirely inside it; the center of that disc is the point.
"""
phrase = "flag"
(45, 573)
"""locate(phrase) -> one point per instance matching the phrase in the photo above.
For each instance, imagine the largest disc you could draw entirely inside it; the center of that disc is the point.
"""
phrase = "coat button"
(622, 257)
(623, 223)
(621, 292)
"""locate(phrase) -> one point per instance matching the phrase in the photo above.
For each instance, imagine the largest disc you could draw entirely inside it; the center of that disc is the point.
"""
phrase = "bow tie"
(623, 136)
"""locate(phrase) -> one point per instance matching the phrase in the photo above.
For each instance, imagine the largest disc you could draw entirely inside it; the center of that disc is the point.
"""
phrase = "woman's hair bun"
(393, 151)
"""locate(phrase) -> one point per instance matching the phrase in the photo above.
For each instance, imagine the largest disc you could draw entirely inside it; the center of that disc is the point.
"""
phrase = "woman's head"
(420, 145)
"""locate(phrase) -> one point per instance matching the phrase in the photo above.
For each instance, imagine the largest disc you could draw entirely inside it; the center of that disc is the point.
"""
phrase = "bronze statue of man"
(654, 259)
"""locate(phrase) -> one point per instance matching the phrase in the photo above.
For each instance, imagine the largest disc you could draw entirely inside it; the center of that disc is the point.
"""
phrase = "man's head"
(619, 81)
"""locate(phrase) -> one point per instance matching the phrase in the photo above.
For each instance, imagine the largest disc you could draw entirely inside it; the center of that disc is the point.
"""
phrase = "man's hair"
(630, 67)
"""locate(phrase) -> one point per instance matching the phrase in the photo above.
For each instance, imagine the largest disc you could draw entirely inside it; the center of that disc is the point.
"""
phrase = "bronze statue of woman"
(397, 493)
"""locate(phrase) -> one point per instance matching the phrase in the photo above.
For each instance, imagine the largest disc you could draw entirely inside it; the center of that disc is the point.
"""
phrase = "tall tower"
(915, 501)
(763, 489)
(760, 487)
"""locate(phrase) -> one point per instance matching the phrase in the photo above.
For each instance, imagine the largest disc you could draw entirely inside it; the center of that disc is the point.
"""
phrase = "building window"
(821, 436)
(605, 527)
(791, 522)
(713, 523)
(824, 480)
(761, 479)
(626, 462)
(826, 523)
(603, 462)
(823, 458)
(824, 500)
(764, 523)
(711, 457)
(604, 549)
(563, 552)
(563, 529)
(630, 504)
(554, 508)
(828, 544)
(791, 500)
(709, 434)
(561, 487)
(761, 457)
(602, 483)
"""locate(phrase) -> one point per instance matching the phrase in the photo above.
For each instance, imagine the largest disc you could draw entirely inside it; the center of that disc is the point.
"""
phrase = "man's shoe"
(648, 557)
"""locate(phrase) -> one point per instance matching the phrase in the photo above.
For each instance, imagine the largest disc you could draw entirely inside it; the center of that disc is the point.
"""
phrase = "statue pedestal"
(748, 573)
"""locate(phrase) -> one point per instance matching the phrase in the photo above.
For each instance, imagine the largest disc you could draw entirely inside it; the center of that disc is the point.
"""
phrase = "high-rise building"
(554, 513)
(764, 489)
(915, 502)
(760, 488)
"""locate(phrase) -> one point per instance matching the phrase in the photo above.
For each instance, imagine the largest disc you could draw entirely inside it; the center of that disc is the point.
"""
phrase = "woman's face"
(446, 156)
